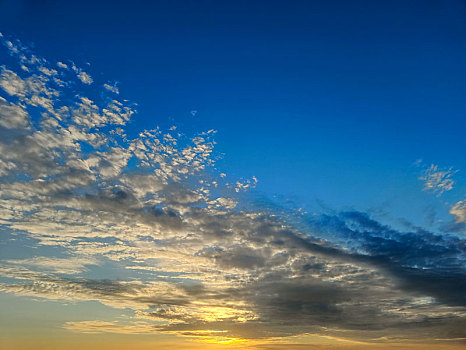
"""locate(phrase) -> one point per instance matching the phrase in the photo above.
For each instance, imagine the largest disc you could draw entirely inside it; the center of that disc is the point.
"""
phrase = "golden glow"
(215, 313)
(223, 340)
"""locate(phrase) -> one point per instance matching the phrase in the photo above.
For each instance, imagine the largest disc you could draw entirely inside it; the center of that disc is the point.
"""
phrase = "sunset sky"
(232, 175)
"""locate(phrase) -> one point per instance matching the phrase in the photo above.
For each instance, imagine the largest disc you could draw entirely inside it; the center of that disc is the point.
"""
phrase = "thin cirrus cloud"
(437, 180)
(196, 264)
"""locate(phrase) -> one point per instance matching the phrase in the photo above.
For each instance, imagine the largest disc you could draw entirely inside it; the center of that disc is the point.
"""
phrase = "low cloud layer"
(154, 206)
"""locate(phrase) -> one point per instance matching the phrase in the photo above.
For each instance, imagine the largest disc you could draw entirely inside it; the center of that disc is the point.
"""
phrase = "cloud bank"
(197, 265)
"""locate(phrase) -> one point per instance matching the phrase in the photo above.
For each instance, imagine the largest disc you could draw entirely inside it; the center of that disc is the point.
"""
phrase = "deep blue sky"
(330, 100)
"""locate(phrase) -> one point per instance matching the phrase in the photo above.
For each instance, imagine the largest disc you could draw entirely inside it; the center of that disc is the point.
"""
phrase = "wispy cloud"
(69, 265)
(97, 326)
(112, 87)
(437, 180)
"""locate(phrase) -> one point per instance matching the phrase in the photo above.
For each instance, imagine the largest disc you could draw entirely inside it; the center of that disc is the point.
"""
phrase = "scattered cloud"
(84, 77)
(197, 265)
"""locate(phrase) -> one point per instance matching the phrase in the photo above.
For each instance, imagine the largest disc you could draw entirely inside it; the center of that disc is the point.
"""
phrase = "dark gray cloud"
(422, 261)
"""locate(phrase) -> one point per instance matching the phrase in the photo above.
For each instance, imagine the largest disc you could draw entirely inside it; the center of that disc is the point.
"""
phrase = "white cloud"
(85, 78)
(48, 71)
(12, 83)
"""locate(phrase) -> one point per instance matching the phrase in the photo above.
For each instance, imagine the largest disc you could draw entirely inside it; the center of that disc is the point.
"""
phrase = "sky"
(232, 175)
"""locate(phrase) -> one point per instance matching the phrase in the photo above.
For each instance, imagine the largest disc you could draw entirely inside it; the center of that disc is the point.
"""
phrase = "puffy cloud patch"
(12, 116)
(85, 78)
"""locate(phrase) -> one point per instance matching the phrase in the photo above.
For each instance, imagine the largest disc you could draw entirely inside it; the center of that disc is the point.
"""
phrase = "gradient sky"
(248, 174)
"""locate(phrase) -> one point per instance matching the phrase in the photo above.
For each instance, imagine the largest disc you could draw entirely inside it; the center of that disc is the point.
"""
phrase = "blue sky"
(324, 100)
(352, 113)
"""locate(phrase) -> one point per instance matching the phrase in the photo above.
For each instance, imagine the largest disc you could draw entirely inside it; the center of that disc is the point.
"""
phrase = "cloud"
(71, 265)
(420, 260)
(62, 65)
(459, 211)
(113, 88)
(93, 327)
(436, 180)
(12, 116)
(84, 77)
(197, 263)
